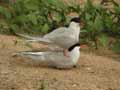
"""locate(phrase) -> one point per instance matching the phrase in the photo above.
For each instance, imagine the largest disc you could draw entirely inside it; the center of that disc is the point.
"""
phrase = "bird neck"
(74, 25)
(75, 54)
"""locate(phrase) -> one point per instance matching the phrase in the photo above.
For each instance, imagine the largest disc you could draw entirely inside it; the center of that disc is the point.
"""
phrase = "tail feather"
(34, 39)
(28, 53)
(36, 56)
(27, 36)
(41, 40)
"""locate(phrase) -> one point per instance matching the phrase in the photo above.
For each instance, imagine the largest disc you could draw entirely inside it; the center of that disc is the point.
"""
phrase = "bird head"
(73, 46)
(79, 21)
(75, 19)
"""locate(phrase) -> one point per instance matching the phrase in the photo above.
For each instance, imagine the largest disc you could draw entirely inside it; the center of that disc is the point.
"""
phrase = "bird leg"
(65, 52)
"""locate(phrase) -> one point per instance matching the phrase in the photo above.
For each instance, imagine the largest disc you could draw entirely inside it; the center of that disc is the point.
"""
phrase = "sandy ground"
(93, 72)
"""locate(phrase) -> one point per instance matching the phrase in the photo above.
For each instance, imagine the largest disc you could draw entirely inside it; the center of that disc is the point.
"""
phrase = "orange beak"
(83, 46)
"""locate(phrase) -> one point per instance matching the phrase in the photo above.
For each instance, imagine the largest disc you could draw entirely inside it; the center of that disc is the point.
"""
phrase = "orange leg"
(65, 51)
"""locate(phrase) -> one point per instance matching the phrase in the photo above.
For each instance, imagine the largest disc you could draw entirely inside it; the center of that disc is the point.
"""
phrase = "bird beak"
(83, 46)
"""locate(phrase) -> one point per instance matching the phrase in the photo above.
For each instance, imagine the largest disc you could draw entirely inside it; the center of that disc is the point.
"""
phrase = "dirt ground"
(93, 72)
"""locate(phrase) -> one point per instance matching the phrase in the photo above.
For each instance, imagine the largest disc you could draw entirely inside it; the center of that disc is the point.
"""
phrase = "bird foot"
(65, 51)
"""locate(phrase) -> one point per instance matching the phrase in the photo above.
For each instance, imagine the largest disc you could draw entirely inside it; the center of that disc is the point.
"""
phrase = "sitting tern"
(54, 58)
(62, 36)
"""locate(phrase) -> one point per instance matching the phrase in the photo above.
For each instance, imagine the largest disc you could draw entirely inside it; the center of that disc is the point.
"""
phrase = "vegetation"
(102, 24)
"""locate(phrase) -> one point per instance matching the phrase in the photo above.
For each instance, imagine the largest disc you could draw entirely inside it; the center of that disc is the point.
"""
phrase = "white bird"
(55, 58)
(63, 36)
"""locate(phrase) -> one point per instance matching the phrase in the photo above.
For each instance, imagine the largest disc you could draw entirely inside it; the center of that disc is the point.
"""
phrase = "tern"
(62, 36)
(54, 58)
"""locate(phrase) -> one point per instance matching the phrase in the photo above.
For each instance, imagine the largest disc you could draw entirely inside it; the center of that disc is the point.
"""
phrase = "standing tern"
(54, 58)
(63, 36)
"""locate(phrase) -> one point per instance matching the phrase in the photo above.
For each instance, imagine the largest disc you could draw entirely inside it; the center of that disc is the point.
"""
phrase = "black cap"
(76, 19)
(73, 46)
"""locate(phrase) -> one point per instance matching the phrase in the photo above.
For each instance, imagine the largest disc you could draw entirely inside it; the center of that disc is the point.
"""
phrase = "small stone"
(74, 85)
(88, 68)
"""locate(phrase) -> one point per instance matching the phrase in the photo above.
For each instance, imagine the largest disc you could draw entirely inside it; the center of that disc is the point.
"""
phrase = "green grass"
(42, 16)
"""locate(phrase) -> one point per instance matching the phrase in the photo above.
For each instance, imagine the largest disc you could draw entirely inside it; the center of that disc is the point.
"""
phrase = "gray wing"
(56, 59)
(46, 56)
(56, 32)
(62, 37)
(65, 41)
(28, 37)
(34, 39)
